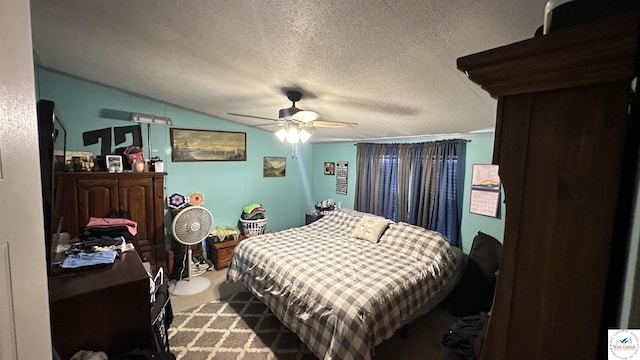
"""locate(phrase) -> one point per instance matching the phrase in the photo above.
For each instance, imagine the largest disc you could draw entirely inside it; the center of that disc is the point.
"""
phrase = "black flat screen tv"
(52, 141)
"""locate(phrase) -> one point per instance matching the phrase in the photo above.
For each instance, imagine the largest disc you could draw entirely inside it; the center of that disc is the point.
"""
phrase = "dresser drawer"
(222, 251)
(222, 257)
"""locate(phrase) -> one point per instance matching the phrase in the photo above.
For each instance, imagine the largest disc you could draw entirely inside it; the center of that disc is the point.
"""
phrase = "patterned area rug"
(239, 327)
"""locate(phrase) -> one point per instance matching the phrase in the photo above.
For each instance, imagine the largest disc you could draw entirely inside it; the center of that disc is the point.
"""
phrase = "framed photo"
(208, 145)
(114, 163)
(329, 168)
(274, 166)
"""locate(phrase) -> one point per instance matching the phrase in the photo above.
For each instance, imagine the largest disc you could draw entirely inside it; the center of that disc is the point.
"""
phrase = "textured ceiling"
(389, 66)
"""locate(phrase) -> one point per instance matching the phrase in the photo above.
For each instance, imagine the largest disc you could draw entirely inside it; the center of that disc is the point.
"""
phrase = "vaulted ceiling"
(389, 66)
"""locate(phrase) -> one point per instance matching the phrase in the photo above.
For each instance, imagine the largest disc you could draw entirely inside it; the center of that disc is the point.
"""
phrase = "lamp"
(304, 136)
(150, 119)
(281, 134)
(292, 134)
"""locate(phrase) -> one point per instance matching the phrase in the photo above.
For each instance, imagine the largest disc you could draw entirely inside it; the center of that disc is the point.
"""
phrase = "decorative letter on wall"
(119, 134)
(92, 137)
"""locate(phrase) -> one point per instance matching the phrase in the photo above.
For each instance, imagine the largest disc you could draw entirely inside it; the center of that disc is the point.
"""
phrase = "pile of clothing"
(101, 242)
(253, 211)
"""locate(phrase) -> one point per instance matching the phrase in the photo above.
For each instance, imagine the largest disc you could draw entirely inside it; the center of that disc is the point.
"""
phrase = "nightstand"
(221, 251)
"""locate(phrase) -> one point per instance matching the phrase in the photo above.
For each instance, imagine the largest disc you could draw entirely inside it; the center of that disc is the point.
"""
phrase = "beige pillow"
(370, 228)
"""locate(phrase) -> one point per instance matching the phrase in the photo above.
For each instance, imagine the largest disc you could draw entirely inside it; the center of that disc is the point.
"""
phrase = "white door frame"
(24, 305)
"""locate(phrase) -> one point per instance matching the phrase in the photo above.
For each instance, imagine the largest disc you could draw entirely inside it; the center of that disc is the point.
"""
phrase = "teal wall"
(324, 186)
(479, 151)
(227, 185)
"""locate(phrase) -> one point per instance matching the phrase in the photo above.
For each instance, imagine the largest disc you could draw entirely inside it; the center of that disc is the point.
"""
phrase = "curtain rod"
(356, 144)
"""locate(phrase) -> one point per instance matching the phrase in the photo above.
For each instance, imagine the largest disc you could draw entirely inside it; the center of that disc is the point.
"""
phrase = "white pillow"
(356, 212)
(370, 228)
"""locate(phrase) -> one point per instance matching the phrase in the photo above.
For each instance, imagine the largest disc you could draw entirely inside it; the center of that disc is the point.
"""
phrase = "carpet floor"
(242, 327)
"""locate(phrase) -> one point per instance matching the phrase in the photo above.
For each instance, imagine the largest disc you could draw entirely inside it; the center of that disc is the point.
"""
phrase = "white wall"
(24, 305)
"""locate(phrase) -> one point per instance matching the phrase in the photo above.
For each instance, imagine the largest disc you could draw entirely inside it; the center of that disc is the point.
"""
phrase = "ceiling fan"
(296, 120)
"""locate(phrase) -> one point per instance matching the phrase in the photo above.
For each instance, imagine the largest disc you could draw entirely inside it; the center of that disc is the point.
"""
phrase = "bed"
(342, 295)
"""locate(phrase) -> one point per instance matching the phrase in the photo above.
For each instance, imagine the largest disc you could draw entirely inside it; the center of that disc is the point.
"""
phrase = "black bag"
(474, 292)
(464, 339)
(161, 318)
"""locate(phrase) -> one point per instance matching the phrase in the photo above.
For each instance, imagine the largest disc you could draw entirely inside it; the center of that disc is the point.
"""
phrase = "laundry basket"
(253, 227)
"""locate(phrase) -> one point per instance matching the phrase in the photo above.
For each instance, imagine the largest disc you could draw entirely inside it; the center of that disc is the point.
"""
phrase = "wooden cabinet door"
(136, 196)
(97, 198)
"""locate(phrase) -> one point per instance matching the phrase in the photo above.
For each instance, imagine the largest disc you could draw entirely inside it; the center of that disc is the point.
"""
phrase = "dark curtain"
(418, 183)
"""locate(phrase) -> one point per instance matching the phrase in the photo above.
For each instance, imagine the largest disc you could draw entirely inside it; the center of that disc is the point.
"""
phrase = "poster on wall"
(485, 190)
(342, 172)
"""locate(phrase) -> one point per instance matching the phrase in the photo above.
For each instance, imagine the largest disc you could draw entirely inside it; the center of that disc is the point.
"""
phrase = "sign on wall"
(342, 172)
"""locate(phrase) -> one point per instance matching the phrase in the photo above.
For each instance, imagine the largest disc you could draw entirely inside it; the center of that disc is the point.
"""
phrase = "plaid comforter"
(343, 295)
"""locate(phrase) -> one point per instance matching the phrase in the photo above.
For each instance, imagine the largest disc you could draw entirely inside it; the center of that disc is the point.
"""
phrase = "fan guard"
(191, 226)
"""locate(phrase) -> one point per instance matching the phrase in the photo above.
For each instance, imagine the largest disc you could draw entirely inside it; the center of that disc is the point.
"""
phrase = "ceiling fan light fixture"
(304, 136)
(287, 113)
(281, 134)
(306, 116)
(293, 136)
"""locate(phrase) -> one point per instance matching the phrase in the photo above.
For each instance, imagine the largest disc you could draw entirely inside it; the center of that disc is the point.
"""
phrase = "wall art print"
(208, 145)
(274, 166)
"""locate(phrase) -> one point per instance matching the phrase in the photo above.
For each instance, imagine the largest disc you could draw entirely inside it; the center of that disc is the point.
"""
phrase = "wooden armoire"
(566, 141)
(100, 194)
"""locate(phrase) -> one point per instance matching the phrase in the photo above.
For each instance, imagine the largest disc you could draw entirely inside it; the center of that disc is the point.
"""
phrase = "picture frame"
(274, 166)
(329, 168)
(207, 145)
(113, 163)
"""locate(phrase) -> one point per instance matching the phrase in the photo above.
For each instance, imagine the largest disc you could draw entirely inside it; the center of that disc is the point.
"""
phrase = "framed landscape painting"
(208, 145)
(274, 166)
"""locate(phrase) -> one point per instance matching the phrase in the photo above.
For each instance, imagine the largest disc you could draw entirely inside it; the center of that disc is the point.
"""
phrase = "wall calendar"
(485, 190)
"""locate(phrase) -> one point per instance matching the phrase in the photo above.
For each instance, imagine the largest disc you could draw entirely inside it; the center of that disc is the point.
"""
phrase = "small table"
(221, 251)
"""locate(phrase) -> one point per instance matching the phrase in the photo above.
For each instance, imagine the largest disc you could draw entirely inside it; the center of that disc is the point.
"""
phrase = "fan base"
(189, 287)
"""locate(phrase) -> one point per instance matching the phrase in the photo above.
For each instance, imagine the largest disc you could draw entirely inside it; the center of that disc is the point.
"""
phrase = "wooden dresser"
(566, 141)
(103, 308)
(99, 194)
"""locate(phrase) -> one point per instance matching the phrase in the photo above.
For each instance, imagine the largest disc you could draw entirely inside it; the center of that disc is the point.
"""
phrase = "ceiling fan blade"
(333, 124)
(253, 117)
(279, 123)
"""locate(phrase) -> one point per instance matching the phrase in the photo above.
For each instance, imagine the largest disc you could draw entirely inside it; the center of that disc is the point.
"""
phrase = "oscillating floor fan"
(189, 227)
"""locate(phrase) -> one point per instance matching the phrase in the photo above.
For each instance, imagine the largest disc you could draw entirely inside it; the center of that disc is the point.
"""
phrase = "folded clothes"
(96, 222)
(252, 207)
(89, 259)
